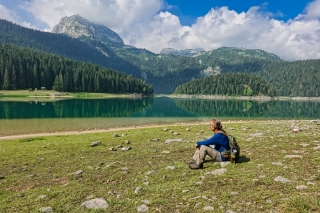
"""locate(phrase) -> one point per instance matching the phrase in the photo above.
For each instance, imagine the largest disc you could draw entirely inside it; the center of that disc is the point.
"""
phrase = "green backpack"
(234, 153)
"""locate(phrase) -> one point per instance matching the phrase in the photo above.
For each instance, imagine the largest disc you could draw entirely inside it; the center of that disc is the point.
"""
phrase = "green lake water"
(72, 114)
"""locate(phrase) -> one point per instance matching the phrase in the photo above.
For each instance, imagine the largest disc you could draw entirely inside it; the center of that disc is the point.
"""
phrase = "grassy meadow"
(278, 170)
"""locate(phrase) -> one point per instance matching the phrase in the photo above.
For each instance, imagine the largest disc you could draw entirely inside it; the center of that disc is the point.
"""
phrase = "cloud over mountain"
(147, 24)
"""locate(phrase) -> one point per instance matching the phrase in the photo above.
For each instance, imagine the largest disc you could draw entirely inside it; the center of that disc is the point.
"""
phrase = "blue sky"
(290, 29)
(189, 10)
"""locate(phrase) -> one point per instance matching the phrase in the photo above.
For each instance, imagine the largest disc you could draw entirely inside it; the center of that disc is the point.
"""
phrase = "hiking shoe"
(195, 166)
(190, 161)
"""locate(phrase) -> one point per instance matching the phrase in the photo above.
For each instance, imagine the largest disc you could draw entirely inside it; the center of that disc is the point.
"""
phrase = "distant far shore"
(258, 98)
(51, 94)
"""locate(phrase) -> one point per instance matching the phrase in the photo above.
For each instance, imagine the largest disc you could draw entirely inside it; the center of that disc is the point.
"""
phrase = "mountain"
(78, 39)
(75, 26)
(187, 52)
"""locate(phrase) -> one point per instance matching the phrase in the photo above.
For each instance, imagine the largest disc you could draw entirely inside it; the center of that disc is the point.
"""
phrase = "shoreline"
(255, 98)
(123, 128)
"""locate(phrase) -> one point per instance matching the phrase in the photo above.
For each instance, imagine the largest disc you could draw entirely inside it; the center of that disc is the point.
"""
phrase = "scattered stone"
(31, 176)
(304, 144)
(256, 134)
(293, 156)
(42, 197)
(123, 134)
(269, 201)
(171, 167)
(2, 176)
(127, 142)
(166, 152)
(142, 208)
(277, 163)
(165, 129)
(126, 148)
(199, 183)
(234, 193)
(316, 148)
(282, 179)
(230, 211)
(138, 190)
(187, 129)
(185, 191)
(310, 183)
(78, 174)
(155, 139)
(261, 176)
(46, 209)
(98, 203)
(21, 195)
(97, 143)
(146, 201)
(176, 133)
(112, 149)
(208, 208)
(151, 172)
(173, 140)
(302, 187)
(217, 172)
(224, 164)
(125, 170)
(115, 135)
(295, 129)
(146, 183)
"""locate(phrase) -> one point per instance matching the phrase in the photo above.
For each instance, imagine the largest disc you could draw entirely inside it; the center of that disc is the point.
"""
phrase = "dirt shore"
(80, 132)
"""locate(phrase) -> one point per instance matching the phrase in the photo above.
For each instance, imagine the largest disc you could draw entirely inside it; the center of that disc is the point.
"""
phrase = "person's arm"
(214, 140)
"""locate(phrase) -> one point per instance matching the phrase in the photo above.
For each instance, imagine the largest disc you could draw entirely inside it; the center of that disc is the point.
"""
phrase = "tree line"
(23, 69)
(238, 84)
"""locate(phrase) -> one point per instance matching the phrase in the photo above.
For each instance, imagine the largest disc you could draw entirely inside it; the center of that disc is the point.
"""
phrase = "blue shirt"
(220, 142)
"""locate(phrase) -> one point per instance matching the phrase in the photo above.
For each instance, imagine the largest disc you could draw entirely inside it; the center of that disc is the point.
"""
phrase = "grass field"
(278, 170)
(23, 95)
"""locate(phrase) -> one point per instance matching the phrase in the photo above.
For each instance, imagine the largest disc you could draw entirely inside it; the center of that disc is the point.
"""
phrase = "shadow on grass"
(243, 159)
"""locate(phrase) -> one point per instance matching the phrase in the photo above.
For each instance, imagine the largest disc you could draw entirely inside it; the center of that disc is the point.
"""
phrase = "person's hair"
(216, 124)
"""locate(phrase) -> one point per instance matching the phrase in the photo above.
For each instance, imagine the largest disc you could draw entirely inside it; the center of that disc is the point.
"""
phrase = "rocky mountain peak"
(76, 26)
(187, 52)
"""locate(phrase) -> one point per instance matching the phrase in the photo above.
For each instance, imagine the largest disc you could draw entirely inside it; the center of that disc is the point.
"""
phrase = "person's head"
(215, 124)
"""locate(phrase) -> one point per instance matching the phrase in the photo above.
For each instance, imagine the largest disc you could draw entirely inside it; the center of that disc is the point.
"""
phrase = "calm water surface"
(32, 117)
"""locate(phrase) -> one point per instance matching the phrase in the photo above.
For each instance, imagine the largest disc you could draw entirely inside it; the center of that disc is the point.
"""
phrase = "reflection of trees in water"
(75, 108)
(166, 107)
(250, 109)
(102, 107)
(160, 107)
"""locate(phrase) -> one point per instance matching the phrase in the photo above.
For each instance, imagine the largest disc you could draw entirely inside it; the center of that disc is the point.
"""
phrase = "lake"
(77, 114)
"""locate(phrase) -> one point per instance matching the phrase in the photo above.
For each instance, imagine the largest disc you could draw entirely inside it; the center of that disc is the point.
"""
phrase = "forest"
(164, 72)
(237, 84)
(26, 69)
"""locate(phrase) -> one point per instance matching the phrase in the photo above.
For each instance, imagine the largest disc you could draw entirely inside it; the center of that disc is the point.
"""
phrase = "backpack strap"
(224, 133)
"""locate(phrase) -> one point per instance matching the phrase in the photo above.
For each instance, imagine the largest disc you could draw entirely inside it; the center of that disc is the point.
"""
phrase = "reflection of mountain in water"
(74, 108)
(250, 109)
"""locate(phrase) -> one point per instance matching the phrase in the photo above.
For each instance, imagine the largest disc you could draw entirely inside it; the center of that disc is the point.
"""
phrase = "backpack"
(234, 152)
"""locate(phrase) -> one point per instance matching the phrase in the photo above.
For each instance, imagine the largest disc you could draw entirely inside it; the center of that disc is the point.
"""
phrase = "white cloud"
(313, 10)
(116, 14)
(7, 14)
(146, 24)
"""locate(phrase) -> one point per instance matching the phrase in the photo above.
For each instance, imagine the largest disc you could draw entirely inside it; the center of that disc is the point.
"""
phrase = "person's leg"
(201, 154)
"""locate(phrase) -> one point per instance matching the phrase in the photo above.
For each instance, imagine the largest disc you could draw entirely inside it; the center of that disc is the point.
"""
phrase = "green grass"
(36, 166)
(49, 94)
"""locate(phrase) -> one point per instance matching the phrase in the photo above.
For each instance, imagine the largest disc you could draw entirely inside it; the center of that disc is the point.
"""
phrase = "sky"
(289, 29)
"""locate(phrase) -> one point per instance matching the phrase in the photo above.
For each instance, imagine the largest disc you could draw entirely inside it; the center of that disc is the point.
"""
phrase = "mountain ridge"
(165, 71)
